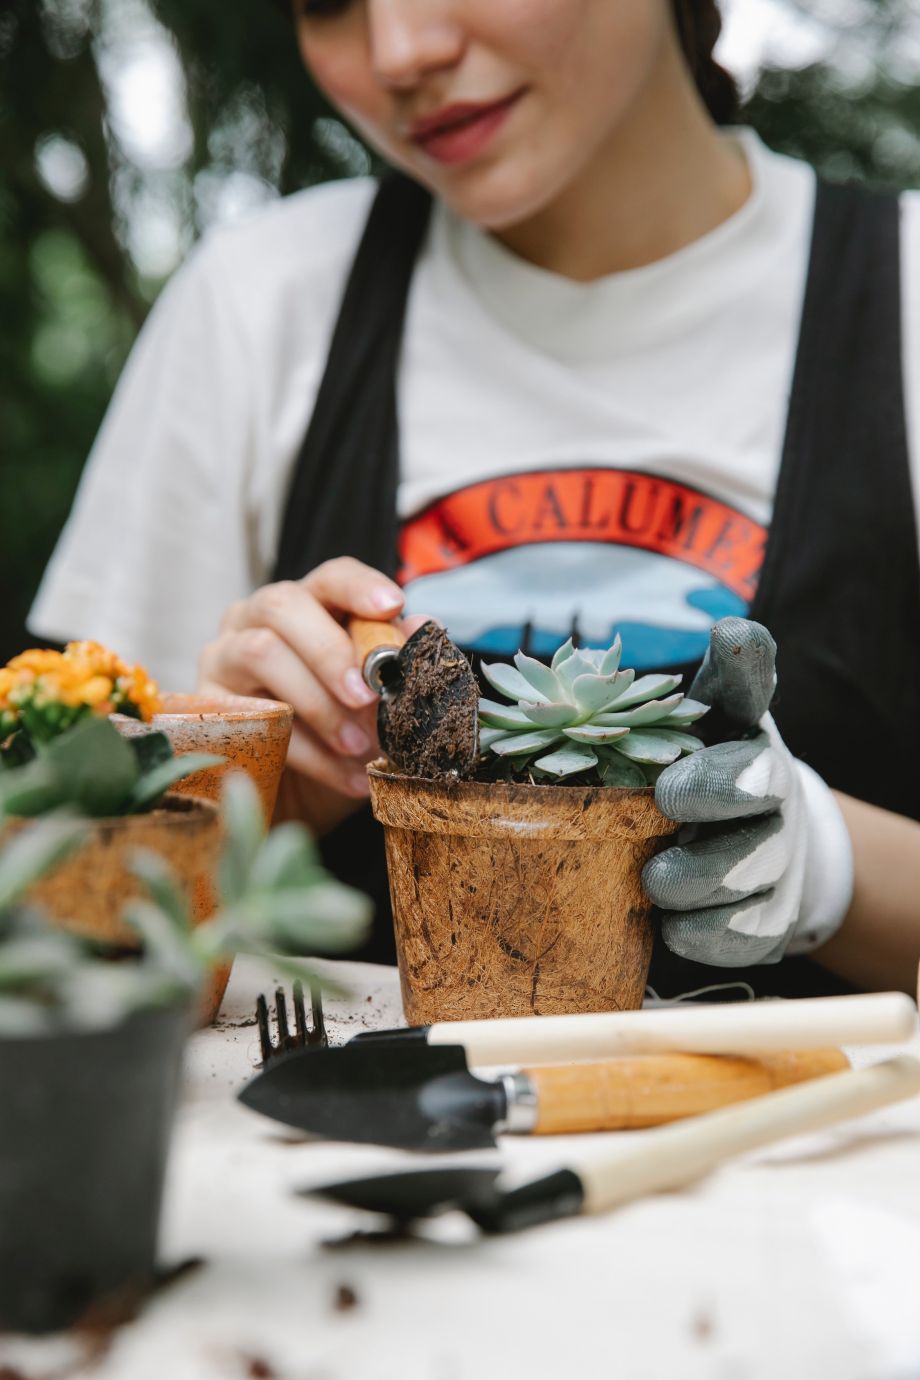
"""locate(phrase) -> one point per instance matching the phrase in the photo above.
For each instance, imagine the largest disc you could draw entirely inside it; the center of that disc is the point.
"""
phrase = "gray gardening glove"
(769, 870)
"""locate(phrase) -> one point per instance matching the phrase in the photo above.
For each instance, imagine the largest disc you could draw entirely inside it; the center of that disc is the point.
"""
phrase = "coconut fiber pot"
(83, 1144)
(253, 735)
(515, 900)
(87, 892)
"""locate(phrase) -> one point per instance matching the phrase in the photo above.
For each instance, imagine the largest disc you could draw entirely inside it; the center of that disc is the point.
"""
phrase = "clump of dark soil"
(428, 722)
(345, 1299)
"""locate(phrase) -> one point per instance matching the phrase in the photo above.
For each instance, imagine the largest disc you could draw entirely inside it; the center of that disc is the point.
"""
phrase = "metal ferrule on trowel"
(378, 646)
(415, 1088)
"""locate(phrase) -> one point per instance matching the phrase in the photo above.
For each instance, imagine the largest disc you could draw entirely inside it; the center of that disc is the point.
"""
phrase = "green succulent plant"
(583, 713)
(91, 770)
(276, 901)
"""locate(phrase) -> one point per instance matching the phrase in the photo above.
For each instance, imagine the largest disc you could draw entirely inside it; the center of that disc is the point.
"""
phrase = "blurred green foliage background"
(95, 211)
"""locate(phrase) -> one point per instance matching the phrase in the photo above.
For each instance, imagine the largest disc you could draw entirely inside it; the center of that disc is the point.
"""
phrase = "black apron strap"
(840, 585)
(342, 495)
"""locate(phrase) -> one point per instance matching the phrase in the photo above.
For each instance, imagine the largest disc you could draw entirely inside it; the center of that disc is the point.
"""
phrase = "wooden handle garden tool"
(428, 717)
(594, 1180)
(679, 1154)
(649, 1090)
(749, 1027)
(420, 1098)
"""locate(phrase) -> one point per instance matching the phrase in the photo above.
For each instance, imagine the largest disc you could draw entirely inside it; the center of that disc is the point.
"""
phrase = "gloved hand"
(773, 872)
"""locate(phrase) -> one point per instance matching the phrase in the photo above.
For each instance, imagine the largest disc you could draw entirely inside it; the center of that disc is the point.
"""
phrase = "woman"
(643, 377)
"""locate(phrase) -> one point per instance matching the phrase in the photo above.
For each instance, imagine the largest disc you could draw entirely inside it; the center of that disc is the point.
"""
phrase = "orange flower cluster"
(85, 677)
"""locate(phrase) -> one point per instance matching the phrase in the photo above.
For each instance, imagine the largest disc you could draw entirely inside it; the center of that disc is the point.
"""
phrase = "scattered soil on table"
(236, 1025)
(97, 1327)
(345, 1299)
(702, 1325)
(95, 1331)
(258, 1368)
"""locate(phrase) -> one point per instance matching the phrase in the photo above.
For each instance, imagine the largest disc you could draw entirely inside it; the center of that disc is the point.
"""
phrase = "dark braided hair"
(699, 24)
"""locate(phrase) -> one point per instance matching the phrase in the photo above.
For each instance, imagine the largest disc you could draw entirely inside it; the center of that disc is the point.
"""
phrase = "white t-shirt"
(601, 455)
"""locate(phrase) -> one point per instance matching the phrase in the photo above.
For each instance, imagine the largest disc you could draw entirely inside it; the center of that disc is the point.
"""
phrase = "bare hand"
(287, 641)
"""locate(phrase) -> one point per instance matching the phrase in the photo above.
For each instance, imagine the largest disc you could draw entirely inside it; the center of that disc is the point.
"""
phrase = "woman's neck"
(664, 178)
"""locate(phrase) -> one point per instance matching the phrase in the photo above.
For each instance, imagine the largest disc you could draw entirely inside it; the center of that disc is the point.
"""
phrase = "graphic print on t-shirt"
(527, 560)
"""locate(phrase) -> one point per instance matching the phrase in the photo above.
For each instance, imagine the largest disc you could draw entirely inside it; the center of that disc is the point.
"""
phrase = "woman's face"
(496, 105)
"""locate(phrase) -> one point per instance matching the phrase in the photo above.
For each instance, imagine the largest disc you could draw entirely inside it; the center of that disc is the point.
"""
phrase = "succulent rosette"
(583, 713)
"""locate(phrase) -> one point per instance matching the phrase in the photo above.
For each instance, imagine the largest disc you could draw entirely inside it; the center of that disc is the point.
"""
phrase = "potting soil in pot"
(514, 900)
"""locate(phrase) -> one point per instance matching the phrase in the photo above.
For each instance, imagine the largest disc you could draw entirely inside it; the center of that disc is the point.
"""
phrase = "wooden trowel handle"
(622, 1094)
(374, 641)
(676, 1155)
(367, 634)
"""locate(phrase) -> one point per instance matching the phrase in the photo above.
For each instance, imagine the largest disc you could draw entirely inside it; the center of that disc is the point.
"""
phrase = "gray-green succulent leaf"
(510, 683)
(547, 715)
(514, 744)
(595, 733)
(567, 761)
(584, 713)
(509, 716)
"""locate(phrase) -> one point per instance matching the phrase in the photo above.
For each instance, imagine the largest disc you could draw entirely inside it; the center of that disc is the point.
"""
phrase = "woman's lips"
(459, 132)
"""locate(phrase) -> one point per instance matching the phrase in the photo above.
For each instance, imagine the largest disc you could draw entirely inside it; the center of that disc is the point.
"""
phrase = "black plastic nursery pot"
(85, 1123)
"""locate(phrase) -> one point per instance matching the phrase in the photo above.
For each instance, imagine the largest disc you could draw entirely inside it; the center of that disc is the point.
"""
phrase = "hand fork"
(302, 1034)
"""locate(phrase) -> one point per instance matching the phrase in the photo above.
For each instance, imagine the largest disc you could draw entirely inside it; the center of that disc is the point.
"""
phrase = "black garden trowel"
(427, 721)
(595, 1181)
(414, 1089)
(418, 1097)
(411, 1098)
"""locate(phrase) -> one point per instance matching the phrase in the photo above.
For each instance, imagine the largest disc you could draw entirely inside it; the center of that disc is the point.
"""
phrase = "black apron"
(840, 583)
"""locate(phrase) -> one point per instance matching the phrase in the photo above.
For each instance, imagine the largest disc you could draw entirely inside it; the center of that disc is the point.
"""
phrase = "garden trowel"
(415, 1098)
(746, 1027)
(670, 1157)
(427, 721)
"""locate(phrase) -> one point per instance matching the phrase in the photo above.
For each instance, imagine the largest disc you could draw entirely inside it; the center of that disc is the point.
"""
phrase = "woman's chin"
(495, 197)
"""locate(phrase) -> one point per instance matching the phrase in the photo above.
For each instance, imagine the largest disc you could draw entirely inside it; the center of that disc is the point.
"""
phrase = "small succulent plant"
(50, 978)
(582, 713)
(276, 900)
(91, 770)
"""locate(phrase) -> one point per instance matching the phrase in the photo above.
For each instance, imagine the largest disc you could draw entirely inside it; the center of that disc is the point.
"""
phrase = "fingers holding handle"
(287, 640)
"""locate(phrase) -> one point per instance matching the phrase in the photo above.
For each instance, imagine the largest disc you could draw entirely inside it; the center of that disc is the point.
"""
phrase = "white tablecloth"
(800, 1261)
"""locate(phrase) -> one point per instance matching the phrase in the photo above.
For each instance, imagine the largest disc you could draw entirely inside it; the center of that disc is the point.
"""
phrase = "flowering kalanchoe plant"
(44, 693)
(92, 770)
(582, 713)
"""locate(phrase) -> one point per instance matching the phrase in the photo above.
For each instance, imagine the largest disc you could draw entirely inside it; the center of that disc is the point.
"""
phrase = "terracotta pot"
(515, 900)
(86, 893)
(253, 735)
